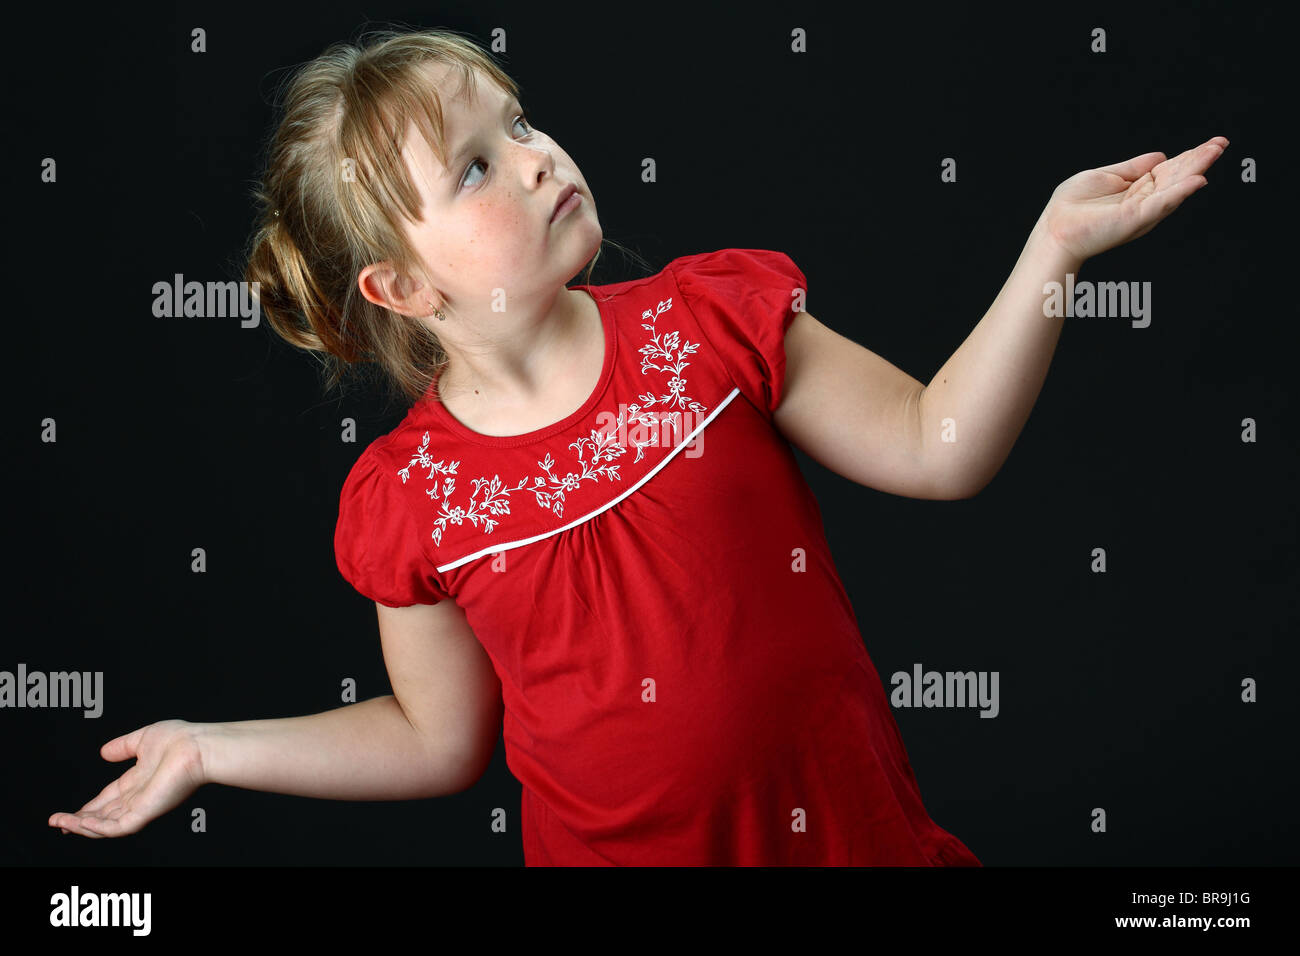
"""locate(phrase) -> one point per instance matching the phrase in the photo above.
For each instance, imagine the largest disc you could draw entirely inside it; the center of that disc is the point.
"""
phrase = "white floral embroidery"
(549, 491)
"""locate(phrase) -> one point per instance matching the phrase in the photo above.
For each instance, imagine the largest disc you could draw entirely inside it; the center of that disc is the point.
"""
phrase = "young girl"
(590, 530)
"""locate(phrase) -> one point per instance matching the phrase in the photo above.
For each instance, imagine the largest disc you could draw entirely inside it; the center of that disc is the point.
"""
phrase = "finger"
(83, 817)
(106, 796)
(1159, 205)
(1219, 142)
(1137, 167)
(86, 828)
(1171, 196)
(1141, 189)
(66, 822)
(1195, 160)
(1207, 154)
(119, 823)
(70, 823)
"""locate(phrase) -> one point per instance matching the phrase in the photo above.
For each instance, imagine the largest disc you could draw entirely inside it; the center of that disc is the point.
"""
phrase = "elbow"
(947, 479)
(472, 770)
(969, 489)
(958, 488)
(476, 756)
(964, 494)
(452, 775)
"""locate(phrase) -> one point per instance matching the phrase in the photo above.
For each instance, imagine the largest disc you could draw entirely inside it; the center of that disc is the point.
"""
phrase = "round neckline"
(546, 431)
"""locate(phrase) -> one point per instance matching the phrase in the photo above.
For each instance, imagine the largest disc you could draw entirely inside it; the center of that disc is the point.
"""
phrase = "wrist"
(206, 741)
(1049, 248)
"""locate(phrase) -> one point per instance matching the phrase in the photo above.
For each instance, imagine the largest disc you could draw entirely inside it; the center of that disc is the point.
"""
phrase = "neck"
(517, 363)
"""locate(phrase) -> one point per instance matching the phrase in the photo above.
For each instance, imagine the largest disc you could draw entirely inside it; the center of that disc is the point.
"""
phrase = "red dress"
(683, 677)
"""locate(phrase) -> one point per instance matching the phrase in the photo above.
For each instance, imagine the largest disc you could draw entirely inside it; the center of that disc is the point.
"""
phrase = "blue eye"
(520, 119)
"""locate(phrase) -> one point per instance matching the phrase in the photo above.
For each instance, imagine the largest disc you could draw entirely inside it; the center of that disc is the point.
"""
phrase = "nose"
(538, 162)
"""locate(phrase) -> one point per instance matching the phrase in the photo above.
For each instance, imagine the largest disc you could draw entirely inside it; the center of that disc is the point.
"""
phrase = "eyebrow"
(460, 153)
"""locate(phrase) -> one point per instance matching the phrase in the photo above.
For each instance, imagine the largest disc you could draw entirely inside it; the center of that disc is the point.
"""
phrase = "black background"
(1118, 690)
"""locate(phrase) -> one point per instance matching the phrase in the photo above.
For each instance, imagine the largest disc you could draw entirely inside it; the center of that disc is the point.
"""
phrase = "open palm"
(1099, 209)
(168, 769)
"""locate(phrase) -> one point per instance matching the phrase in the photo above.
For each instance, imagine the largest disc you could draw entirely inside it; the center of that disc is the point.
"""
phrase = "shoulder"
(370, 462)
(385, 464)
(744, 301)
(741, 290)
(760, 265)
(378, 544)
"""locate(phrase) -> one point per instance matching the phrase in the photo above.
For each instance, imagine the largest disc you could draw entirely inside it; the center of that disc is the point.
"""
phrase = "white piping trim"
(493, 549)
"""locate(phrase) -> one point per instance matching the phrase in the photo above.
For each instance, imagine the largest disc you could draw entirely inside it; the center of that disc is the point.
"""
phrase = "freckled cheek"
(504, 225)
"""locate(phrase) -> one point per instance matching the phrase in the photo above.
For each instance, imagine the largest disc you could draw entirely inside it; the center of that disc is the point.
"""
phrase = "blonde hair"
(318, 229)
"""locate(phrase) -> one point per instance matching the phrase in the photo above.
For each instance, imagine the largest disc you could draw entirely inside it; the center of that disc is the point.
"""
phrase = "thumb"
(122, 748)
(1137, 167)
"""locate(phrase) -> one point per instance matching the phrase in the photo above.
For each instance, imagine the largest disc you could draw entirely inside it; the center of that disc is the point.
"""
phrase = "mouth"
(567, 199)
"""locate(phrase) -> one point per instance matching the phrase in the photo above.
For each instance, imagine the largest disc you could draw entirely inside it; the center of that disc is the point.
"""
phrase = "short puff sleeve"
(744, 300)
(376, 541)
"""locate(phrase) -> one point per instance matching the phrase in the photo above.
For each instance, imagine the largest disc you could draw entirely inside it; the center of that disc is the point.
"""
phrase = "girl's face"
(486, 236)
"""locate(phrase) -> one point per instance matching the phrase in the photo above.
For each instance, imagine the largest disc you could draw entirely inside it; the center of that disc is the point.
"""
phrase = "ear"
(383, 285)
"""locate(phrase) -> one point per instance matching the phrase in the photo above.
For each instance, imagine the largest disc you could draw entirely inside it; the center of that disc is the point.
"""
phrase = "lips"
(561, 199)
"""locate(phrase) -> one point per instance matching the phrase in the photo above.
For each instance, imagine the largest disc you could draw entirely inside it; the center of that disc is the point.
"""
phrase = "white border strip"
(493, 549)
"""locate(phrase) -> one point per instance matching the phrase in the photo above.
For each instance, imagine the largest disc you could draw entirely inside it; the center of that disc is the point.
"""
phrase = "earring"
(438, 313)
